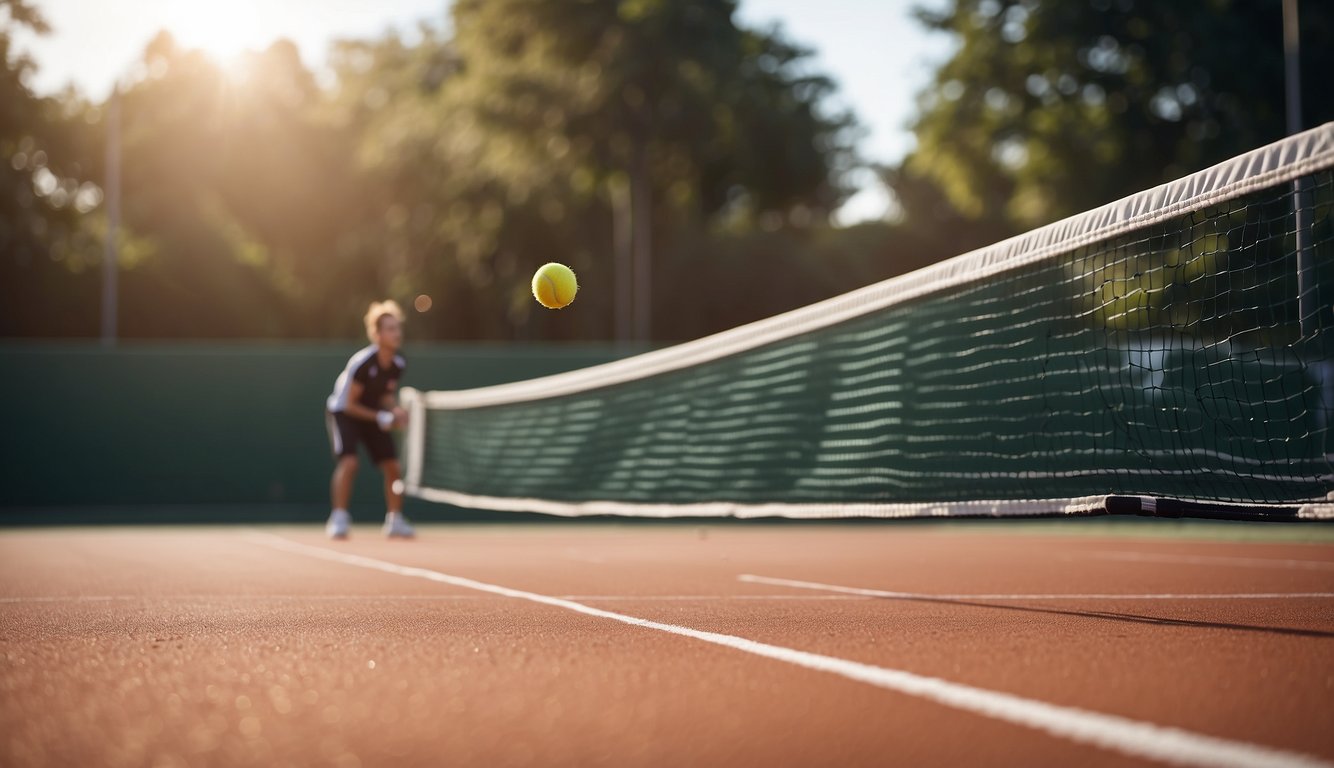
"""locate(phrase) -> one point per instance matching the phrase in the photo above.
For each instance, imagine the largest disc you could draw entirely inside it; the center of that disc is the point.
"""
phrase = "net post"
(415, 439)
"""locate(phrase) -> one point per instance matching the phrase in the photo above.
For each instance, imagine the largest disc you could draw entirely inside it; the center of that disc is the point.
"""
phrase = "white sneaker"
(396, 526)
(340, 522)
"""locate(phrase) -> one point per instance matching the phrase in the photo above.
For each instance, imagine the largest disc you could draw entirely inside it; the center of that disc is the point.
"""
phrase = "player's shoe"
(396, 527)
(340, 522)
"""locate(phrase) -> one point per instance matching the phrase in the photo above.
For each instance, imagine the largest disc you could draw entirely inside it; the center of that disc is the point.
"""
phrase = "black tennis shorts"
(346, 433)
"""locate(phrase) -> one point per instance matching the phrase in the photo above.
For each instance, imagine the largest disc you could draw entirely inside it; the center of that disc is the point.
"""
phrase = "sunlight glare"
(224, 30)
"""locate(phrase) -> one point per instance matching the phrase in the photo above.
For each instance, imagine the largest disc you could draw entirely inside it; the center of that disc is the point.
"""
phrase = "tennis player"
(361, 411)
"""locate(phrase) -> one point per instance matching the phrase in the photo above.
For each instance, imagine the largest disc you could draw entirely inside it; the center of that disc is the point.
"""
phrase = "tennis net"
(1166, 354)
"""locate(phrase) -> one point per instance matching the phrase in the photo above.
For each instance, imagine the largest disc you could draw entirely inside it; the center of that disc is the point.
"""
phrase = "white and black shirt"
(377, 380)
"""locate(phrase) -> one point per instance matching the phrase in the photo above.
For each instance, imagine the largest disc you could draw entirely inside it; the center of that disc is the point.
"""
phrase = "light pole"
(622, 247)
(641, 204)
(110, 258)
(1307, 305)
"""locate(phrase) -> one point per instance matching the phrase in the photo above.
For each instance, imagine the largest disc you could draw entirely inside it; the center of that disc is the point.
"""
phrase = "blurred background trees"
(1050, 108)
(44, 239)
(260, 201)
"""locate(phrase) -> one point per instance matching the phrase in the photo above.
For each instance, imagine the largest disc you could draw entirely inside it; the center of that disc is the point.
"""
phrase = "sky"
(879, 56)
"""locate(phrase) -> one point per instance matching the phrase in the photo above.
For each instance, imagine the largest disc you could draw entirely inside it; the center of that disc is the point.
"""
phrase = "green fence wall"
(232, 425)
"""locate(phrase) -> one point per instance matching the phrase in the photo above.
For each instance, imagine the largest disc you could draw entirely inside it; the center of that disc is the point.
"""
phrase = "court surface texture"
(664, 645)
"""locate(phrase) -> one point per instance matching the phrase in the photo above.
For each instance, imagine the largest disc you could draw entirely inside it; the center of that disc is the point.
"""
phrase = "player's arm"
(356, 410)
(390, 403)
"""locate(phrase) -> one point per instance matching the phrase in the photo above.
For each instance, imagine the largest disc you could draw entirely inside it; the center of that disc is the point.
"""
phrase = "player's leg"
(344, 475)
(343, 439)
(393, 485)
(385, 455)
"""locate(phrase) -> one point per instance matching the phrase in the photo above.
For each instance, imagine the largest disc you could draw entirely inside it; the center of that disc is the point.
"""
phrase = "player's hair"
(379, 310)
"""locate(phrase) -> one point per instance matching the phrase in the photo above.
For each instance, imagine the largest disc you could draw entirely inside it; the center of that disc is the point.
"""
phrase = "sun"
(223, 30)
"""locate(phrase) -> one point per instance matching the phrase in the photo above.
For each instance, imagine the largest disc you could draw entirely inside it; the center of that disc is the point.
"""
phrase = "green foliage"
(41, 243)
(497, 149)
(1047, 109)
(1050, 108)
(259, 201)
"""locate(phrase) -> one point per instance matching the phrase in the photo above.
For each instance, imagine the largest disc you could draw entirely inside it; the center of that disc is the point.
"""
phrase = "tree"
(504, 146)
(236, 200)
(435, 213)
(1050, 108)
(256, 203)
(696, 117)
(43, 290)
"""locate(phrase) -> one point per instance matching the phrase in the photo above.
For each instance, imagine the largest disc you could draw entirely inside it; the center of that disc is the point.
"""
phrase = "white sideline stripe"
(1110, 732)
(202, 596)
(650, 598)
(429, 598)
(752, 579)
(1245, 562)
(70, 598)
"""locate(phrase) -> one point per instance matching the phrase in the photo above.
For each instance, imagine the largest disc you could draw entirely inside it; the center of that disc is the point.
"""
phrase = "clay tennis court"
(668, 645)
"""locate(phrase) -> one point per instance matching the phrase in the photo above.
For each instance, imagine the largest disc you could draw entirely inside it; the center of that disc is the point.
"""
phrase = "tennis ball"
(554, 285)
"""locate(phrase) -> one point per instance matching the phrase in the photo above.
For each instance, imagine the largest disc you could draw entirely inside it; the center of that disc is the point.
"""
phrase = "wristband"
(385, 419)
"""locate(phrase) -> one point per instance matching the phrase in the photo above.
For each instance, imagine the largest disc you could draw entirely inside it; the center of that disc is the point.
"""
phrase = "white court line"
(69, 598)
(1245, 562)
(1043, 596)
(650, 598)
(1110, 732)
(108, 598)
(645, 598)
